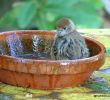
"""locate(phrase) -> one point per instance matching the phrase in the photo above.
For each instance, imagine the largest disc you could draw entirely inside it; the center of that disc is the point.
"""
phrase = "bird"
(68, 43)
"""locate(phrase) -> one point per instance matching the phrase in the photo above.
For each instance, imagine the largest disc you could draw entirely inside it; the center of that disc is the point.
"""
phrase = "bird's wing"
(54, 50)
(73, 50)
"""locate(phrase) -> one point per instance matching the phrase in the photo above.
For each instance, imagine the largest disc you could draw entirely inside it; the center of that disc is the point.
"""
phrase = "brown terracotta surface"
(43, 73)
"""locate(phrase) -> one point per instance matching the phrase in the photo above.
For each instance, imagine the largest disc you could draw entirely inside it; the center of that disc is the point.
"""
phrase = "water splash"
(2, 52)
(42, 45)
(38, 47)
(15, 45)
(36, 40)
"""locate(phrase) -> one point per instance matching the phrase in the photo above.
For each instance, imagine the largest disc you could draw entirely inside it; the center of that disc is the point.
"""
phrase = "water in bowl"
(33, 47)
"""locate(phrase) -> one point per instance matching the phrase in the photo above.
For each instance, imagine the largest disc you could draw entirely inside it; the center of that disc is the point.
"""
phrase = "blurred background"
(43, 14)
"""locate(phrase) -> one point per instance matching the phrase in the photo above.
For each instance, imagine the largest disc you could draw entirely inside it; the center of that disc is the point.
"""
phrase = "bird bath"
(25, 61)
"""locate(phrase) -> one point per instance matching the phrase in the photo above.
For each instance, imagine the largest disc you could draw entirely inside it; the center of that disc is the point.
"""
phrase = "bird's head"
(64, 27)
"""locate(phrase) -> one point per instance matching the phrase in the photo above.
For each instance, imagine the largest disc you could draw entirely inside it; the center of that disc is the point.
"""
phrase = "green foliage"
(108, 51)
(98, 87)
(25, 14)
(44, 13)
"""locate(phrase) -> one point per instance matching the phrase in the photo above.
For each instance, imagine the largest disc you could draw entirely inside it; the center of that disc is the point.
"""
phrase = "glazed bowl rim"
(95, 57)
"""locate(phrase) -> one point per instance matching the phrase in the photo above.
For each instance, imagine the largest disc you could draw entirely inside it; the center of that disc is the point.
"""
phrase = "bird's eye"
(64, 28)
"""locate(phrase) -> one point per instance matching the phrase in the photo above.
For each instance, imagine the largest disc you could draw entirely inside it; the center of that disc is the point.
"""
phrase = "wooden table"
(97, 88)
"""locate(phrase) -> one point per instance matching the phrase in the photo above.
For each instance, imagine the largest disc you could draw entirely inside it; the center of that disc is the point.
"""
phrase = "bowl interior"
(34, 45)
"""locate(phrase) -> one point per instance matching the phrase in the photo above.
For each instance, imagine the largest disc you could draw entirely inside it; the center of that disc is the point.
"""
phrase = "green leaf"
(8, 20)
(62, 2)
(97, 4)
(45, 13)
(83, 13)
(87, 20)
(25, 13)
(108, 51)
(98, 87)
(43, 23)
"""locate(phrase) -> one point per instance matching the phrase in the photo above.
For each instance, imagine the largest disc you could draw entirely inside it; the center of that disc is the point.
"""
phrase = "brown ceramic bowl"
(40, 72)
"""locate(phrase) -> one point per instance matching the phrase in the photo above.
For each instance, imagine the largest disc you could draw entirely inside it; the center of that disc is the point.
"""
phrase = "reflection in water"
(15, 45)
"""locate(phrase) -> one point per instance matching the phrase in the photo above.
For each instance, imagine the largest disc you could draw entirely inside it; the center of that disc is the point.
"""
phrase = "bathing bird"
(68, 43)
